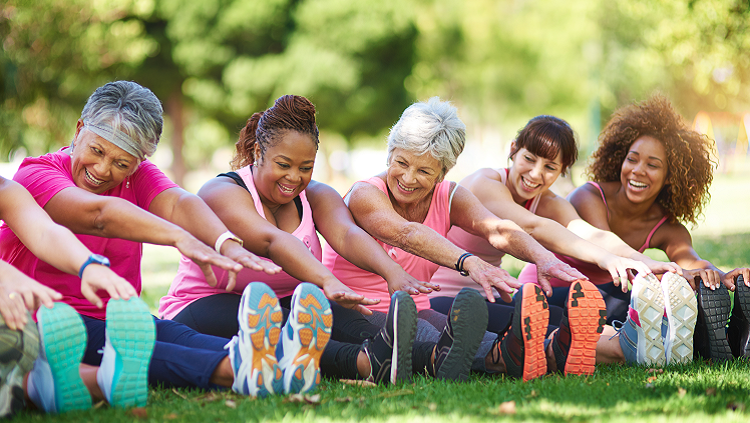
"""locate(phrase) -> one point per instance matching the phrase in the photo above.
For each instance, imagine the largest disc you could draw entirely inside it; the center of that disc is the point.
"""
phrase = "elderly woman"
(19, 293)
(409, 209)
(104, 189)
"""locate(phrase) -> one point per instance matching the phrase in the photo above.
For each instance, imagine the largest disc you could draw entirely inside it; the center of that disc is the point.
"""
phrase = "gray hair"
(433, 127)
(126, 114)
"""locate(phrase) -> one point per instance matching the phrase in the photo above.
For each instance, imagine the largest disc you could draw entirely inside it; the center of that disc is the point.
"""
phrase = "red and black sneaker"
(522, 345)
(582, 324)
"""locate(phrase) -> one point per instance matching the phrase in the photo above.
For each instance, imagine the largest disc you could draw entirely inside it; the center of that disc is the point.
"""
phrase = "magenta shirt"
(374, 286)
(190, 285)
(44, 177)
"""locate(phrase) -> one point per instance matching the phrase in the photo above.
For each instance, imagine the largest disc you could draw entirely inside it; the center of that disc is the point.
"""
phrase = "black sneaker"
(18, 350)
(710, 340)
(460, 339)
(738, 333)
(522, 344)
(389, 351)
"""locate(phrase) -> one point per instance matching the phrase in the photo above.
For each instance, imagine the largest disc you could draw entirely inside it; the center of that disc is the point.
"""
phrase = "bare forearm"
(296, 260)
(556, 238)
(509, 238)
(60, 248)
(193, 215)
(424, 242)
(364, 252)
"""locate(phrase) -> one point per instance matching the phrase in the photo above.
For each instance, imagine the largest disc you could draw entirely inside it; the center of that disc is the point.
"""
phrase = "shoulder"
(585, 194)
(316, 190)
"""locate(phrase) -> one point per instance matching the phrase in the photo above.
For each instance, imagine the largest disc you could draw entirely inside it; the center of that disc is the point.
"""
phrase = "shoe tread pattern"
(650, 308)
(682, 315)
(533, 320)
(587, 315)
(715, 305)
(262, 323)
(468, 322)
(312, 322)
(403, 338)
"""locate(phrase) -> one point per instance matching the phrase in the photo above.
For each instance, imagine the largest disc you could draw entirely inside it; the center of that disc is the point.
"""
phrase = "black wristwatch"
(94, 258)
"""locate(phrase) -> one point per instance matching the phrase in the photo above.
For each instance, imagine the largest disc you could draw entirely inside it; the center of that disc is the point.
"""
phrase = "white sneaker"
(682, 312)
(18, 350)
(641, 336)
(304, 337)
(130, 338)
(55, 384)
(252, 351)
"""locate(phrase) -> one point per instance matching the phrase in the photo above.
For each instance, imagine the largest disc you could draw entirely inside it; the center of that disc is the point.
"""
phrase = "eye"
(306, 168)
(630, 159)
(528, 158)
(283, 165)
(122, 166)
(96, 150)
(551, 168)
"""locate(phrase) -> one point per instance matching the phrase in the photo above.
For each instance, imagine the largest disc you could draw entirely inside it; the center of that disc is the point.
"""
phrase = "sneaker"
(129, 344)
(641, 336)
(738, 332)
(681, 309)
(55, 384)
(584, 317)
(464, 329)
(710, 327)
(389, 351)
(304, 337)
(18, 350)
(522, 344)
(252, 352)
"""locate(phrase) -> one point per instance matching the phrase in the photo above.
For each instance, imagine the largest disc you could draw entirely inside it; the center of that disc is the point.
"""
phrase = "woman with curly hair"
(651, 175)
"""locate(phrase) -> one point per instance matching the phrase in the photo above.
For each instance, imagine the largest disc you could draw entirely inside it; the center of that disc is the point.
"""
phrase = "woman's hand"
(407, 283)
(239, 254)
(711, 278)
(489, 276)
(205, 257)
(552, 267)
(618, 268)
(660, 267)
(19, 293)
(96, 277)
(729, 278)
(345, 297)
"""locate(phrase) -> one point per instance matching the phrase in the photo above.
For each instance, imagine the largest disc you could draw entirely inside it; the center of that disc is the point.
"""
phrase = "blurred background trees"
(215, 62)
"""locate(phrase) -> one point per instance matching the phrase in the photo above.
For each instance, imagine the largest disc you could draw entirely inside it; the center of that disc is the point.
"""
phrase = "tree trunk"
(174, 109)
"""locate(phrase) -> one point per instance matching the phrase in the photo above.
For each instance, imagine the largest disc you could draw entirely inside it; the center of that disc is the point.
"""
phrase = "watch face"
(100, 259)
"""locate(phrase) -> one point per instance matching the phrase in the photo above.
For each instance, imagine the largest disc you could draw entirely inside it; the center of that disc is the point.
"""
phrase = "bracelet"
(223, 238)
(93, 259)
(460, 264)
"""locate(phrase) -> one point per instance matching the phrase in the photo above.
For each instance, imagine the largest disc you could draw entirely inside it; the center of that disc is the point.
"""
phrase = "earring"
(127, 183)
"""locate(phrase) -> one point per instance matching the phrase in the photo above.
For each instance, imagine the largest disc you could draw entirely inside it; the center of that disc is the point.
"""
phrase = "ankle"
(494, 360)
(363, 365)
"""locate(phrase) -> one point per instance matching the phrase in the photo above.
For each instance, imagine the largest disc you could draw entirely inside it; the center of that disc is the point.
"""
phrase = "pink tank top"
(450, 281)
(595, 274)
(372, 285)
(190, 285)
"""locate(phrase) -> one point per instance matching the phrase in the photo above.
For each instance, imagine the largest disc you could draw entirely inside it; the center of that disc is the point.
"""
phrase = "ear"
(256, 152)
(79, 127)
(512, 148)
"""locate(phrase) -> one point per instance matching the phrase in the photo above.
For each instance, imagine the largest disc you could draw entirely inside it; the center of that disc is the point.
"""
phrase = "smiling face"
(644, 170)
(531, 175)
(286, 168)
(97, 165)
(411, 177)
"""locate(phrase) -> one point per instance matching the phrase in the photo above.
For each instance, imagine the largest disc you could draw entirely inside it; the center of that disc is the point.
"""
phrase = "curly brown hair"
(689, 155)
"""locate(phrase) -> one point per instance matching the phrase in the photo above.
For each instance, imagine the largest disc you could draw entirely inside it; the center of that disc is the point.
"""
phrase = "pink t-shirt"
(47, 175)
(450, 281)
(372, 285)
(595, 274)
(190, 285)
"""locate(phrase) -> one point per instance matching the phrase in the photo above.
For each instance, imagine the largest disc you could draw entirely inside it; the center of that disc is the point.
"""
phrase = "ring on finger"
(12, 296)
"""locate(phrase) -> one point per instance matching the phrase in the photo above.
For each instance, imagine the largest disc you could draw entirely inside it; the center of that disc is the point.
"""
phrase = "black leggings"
(217, 315)
(500, 313)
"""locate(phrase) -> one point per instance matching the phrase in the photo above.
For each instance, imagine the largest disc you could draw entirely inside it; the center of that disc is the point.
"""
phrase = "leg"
(213, 315)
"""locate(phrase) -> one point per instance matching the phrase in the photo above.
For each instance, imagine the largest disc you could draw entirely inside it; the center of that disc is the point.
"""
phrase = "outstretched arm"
(56, 245)
(334, 221)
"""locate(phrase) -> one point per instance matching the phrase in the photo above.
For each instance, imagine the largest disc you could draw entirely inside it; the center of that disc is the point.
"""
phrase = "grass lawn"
(696, 392)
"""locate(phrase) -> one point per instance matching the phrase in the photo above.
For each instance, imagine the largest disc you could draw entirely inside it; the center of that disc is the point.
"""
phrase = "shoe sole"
(534, 320)
(468, 316)
(716, 306)
(263, 324)
(64, 338)
(18, 350)
(682, 312)
(312, 324)
(405, 316)
(742, 300)
(650, 308)
(587, 315)
(132, 334)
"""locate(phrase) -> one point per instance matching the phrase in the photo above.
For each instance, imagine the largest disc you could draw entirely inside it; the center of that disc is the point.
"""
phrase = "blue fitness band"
(96, 259)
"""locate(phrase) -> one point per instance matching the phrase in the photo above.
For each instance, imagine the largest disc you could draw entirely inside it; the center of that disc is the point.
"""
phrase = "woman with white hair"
(105, 191)
(409, 209)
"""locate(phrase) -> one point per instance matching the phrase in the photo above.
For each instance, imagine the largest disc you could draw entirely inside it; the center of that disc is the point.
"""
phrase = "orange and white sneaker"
(522, 344)
(585, 315)
(252, 351)
(304, 337)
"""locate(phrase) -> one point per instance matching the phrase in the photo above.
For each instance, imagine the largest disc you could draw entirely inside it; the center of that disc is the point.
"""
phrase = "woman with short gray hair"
(409, 209)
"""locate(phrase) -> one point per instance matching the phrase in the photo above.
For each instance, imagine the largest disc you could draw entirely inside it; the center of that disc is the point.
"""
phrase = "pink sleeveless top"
(190, 285)
(595, 274)
(450, 281)
(372, 285)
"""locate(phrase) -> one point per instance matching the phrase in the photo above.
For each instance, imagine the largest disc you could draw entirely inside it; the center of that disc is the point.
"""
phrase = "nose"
(536, 171)
(101, 168)
(410, 175)
(293, 175)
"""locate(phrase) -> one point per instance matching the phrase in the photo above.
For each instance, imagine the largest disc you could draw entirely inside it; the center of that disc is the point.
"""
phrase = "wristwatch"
(96, 259)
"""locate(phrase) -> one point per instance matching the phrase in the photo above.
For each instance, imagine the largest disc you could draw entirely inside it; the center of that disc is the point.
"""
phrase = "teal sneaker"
(55, 384)
(130, 339)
